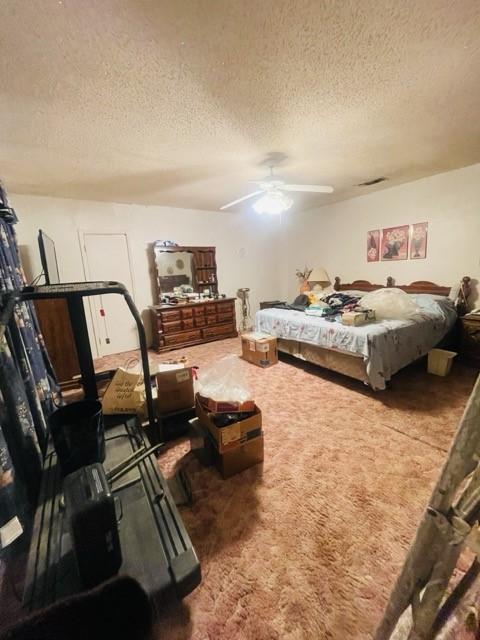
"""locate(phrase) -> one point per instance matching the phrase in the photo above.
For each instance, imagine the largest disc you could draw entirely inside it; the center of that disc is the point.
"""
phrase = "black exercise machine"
(156, 549)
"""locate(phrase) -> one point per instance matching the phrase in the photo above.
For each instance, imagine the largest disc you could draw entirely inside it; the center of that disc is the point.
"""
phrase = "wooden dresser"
(188, 324)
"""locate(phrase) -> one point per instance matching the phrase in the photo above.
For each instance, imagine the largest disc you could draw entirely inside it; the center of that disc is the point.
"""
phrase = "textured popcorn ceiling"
(178, 102)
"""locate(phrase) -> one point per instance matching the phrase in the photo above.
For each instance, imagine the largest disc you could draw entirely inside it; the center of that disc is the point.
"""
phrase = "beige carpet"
(309, 545)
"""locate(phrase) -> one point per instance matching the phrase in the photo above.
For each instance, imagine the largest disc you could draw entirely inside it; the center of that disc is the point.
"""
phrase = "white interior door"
(106, 257)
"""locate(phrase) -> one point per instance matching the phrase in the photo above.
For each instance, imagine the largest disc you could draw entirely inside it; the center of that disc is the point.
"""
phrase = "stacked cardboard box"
(175, 388)
(237, 445)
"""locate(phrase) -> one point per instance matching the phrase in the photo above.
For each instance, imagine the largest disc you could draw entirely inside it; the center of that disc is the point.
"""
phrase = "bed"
(373, 352)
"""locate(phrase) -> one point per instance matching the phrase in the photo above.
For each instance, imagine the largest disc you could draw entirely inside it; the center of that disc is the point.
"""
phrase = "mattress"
(386, 346)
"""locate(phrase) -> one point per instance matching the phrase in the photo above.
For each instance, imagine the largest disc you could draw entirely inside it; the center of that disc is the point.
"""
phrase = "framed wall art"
(373, 245)
(394, 244)
(418, 241)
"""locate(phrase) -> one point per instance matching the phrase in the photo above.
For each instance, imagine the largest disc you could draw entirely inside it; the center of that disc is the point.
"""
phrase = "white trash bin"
(440, 361)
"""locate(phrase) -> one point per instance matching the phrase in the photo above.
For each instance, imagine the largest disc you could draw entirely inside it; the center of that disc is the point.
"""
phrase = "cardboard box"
(357, 318)
(228, 438)
(175, 390)
(240, 458)
(259, 349)
(201, 443)
(220, 406)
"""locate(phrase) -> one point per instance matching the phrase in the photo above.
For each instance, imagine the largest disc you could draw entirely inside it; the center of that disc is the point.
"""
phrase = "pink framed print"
(373, 245)
(418, 241)
(395, 243)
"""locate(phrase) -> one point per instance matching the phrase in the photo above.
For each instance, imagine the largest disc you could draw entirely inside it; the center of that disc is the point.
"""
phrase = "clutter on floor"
(259, 349)
(233, 441)
(228, 430)
(174, 405)
(174, 388)
(276, 524)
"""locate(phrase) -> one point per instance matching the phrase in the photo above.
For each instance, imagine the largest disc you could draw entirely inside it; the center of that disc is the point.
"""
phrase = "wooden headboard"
(419, 286)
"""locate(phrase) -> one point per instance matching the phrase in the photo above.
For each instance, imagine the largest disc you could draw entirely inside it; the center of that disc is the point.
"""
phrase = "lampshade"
(274, 202)
(318, 275)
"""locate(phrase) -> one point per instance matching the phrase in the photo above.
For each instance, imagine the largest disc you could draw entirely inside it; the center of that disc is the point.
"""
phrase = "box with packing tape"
(242, 457)
(175, 388)
(237, 439)
(259, 349)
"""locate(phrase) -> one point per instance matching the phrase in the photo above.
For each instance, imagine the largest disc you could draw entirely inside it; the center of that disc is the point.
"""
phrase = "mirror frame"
(198, 264)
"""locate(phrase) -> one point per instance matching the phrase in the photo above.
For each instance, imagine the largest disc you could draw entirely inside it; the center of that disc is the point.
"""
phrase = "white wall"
(263, 252)
(335, 236)
(247, 245)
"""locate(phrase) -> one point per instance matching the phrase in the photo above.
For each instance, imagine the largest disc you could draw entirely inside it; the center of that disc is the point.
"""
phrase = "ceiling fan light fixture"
(273, 203)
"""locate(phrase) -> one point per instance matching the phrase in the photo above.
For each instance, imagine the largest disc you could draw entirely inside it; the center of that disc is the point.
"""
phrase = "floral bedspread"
(385, 345)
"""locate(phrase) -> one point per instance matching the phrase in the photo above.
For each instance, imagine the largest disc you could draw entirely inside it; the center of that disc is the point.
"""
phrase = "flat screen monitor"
(48, 257)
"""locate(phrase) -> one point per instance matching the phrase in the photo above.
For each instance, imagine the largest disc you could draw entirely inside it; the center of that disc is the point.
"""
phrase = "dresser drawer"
(211, 308)
(224, 307)
(225, 317)
(171, 327)
(187, 313)
(182, 338)
(200, 321)
(188, 323)
(212, 319)
(171, 316)
(198, 311)
(219, 330)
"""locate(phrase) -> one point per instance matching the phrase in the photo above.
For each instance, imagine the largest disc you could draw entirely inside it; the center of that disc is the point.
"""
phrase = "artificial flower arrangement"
(303, 278)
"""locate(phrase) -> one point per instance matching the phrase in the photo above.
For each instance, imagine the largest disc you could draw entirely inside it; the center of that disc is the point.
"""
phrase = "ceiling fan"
(274, 198)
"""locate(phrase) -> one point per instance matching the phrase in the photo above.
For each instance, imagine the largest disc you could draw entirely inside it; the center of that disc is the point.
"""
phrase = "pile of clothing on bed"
(331, 306)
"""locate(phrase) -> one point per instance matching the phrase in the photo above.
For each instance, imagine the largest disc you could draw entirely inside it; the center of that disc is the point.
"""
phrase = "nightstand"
(470, 338)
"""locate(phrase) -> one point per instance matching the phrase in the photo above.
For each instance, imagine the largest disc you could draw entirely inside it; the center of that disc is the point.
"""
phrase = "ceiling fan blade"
(311, 188)
(250, 195)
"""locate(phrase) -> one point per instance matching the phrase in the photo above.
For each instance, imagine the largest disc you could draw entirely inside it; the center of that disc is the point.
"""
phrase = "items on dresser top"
(182, 270)
(193, 323)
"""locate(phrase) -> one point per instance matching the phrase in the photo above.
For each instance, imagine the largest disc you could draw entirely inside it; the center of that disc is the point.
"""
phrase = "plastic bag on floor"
(224, 381)
(390, 304)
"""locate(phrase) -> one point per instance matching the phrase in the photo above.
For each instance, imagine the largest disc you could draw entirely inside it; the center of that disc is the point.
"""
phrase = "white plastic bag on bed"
(390, 304)
(224, 381)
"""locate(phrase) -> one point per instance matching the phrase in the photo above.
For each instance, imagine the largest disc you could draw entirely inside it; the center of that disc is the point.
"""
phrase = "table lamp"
(318, 279)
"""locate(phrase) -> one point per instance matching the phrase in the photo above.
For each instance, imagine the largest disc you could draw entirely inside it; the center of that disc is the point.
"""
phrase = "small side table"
(470, 338)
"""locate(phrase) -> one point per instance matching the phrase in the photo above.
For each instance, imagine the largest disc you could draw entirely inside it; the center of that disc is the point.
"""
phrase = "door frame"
(93, 320)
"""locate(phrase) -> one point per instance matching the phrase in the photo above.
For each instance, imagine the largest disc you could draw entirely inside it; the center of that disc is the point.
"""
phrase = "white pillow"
(390, 304)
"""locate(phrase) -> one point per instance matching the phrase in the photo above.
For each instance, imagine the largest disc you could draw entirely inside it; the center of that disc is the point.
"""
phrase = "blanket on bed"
(385, 345)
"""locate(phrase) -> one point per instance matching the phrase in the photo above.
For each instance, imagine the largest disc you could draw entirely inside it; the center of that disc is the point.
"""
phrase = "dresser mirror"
(184, 271)
(174, 270)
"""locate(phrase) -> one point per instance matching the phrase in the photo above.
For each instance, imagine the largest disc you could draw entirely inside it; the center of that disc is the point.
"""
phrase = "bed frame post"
(336, 285)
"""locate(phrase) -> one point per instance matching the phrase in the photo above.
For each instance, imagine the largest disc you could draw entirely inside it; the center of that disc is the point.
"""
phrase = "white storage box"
(440, 361)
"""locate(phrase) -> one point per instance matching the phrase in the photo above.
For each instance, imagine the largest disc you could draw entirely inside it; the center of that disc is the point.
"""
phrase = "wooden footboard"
(345, 363)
